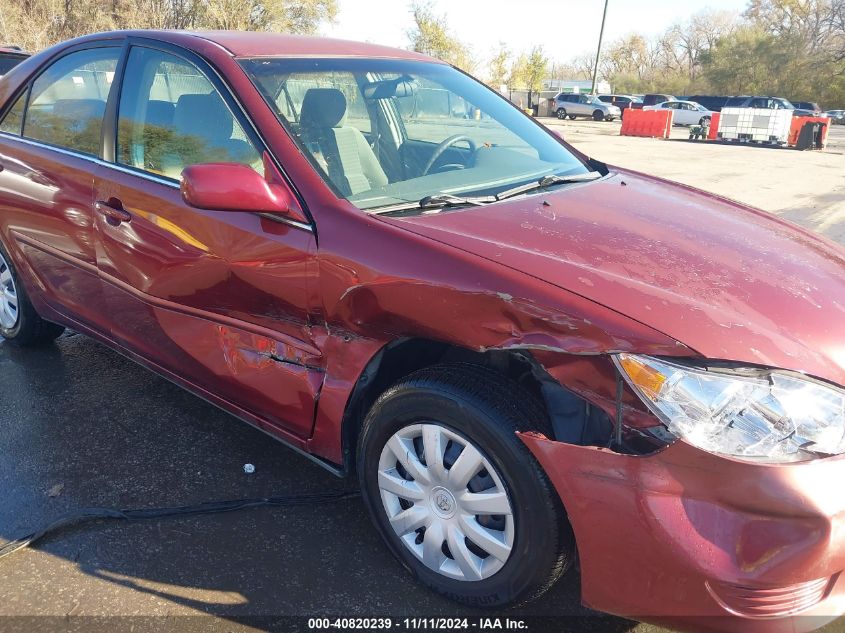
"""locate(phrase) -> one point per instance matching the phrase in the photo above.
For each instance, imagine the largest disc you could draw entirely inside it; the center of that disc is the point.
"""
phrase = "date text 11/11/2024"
(419, 624)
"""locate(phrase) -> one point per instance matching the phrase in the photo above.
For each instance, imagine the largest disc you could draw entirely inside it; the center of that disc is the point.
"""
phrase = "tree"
(781, 50)
(431, 35)
(668, 62)
(36, 24)
(518, 75)
(499, 67)
(744, 62)
(693, 39)
(535, 72)
(288, 16)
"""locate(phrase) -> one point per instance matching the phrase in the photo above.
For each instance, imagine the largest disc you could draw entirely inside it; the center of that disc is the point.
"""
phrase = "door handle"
(114, 215)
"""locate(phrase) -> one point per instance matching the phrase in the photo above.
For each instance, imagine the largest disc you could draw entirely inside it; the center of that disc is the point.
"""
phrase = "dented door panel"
(220, 298)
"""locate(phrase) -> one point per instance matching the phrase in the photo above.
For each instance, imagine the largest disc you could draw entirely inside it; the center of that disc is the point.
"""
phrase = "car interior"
(386, 136)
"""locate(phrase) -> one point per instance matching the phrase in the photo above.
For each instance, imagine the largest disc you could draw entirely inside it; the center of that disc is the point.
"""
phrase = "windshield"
(383, 132)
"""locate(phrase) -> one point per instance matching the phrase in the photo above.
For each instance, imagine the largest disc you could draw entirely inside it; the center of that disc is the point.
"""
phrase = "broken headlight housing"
(755, 414)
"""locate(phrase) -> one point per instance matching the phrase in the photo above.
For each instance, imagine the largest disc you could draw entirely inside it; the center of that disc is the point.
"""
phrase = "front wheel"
(19, 322)
(458, 497)
(598, 115)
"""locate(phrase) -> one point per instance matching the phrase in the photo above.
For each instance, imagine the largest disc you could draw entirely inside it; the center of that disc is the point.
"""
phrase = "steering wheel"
(446, 144)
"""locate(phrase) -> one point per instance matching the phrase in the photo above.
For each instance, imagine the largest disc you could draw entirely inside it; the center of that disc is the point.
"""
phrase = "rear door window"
(68, 100)
(13, 120)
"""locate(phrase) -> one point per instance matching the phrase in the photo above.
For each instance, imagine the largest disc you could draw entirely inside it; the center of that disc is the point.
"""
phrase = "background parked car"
(10, 56)
(623, 102)
(711, 102)
(575, 105)
(836, 116)
(767, 103)
(685, 112)
(807, 108)
(652, 99)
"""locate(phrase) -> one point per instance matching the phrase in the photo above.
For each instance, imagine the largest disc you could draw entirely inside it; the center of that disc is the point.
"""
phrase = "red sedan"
(522, 352)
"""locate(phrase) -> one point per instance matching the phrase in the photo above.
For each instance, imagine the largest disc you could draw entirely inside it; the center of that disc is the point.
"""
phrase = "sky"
(565, 28)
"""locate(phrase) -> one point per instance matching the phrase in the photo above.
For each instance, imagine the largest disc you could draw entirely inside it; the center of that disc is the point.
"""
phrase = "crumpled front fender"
(703, 541)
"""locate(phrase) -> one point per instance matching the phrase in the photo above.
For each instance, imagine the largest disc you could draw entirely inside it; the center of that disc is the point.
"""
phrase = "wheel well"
(571, 417)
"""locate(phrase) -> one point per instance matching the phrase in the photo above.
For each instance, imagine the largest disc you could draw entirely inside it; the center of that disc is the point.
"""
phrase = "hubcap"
(8, 296)
(446, 502)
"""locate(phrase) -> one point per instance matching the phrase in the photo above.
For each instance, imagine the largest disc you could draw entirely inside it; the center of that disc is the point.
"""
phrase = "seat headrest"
(323, 107)
(79, 109)
(203, 115)
(160, 113)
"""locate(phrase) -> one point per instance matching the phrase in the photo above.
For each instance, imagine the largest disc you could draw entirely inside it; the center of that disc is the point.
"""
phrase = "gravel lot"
(82, 426)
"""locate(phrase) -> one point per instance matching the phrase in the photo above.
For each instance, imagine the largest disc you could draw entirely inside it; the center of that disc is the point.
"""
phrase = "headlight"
(757, 414)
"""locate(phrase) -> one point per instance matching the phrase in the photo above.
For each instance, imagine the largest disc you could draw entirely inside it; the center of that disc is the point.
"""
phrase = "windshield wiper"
(440, 200)
(434, 201)
(448, 200)
(548, 181)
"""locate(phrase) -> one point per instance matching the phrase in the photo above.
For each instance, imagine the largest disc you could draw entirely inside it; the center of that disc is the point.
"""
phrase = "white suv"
(575, 105)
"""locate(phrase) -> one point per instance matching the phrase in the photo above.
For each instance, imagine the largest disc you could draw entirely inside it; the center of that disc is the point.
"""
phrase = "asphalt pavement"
(82, 426)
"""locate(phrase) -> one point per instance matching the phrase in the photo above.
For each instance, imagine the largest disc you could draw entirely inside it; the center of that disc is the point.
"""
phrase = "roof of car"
(13, 50)
(261, 44)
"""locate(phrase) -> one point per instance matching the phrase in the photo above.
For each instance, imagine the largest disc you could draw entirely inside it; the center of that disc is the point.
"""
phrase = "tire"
(572, 117)
(598, 115)
(19, 322)
(464, 406)
(561, 113)
(610, 119)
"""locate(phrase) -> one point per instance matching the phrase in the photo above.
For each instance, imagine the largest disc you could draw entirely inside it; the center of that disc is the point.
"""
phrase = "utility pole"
(598, 52)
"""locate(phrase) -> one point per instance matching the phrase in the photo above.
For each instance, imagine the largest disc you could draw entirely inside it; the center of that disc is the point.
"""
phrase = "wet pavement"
(82, 426)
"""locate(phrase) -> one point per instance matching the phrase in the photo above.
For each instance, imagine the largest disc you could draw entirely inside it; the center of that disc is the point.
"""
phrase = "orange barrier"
(798, 124)
(714, 127)
(648, 123)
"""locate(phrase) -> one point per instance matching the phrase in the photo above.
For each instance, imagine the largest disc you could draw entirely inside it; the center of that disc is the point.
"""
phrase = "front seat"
(347, 157)
(205, 125)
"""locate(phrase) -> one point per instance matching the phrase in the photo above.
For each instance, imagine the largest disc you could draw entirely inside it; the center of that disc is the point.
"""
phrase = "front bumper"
(702, 542)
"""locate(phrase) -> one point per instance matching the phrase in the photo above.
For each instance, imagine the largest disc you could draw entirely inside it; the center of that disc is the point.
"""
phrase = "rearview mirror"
(237, 187)
(403, 86)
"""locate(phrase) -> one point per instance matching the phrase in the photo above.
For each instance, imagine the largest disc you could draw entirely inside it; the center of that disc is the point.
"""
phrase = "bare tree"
(36, 24)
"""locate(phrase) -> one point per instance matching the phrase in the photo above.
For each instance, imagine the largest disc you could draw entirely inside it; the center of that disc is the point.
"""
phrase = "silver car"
(837, 117)
(575, 105)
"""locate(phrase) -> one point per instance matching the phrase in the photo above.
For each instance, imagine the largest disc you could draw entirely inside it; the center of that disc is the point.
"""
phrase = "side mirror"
(237, 187)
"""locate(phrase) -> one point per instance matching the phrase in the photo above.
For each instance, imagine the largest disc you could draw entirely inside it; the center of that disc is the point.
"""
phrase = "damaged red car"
(524, 354)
